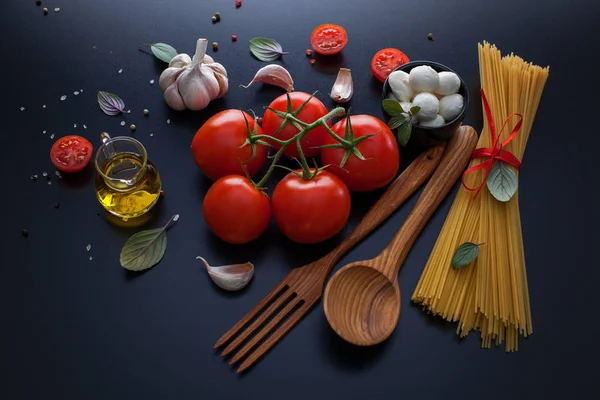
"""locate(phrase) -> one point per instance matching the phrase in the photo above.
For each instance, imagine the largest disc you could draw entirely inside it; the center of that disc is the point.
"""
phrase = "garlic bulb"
(274, 74)
(343, 87)
(230, 277)
(193, 83)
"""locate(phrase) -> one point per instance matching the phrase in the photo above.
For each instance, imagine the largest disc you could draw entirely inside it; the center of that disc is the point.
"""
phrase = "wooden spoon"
(362, 299)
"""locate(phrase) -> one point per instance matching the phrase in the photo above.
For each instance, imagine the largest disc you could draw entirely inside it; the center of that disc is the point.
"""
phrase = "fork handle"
(413, 177)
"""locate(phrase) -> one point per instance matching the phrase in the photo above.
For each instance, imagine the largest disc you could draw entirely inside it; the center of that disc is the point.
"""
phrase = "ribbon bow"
(497, 151)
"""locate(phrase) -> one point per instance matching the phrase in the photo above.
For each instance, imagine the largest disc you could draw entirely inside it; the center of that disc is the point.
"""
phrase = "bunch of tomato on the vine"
(311, 203)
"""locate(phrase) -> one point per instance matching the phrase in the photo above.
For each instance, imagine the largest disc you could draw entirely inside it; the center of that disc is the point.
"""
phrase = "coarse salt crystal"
(58, 174)
(88, 247)
(52, 136)
(152, 82)
(76, 93)
(44, 132)
(122, 123)
(175, 218)
(56, 9)
(22, 108)
(152, 134)
(74, 125)
(84, 126)
(44, 174)
(168, 121)
(63, 98)
(121, 71)
(91, 258)
(49, 182)
(80, 90)
(44, 106)
(128, 111)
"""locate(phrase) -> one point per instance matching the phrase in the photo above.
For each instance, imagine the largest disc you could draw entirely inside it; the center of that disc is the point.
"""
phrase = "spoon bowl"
(362, 305)
(362, 300)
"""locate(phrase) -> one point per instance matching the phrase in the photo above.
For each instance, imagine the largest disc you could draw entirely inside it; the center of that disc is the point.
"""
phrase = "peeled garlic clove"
(274, 74)
(343, 87)
(230, 277)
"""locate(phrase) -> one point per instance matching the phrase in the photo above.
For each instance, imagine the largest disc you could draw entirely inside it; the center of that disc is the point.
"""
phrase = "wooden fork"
(302, 287)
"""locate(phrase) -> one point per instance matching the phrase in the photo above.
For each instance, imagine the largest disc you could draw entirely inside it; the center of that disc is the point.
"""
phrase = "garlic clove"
(180, 61)
(173, 98)
(274, 74)
(343, 87)
(230, 277)
(221, 75)
(168, 77)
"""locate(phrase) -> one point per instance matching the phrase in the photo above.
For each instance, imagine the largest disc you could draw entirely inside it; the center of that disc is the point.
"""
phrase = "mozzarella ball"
(400, 86)
(451, 106)
(392, 97)
(449, 83)
(434, 123)
(429, 106)
(423, 79)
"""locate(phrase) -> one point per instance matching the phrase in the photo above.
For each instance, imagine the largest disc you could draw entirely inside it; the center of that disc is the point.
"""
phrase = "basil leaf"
(404, 132)
(396, 121)
(266, 49)
(110, 104)
(414, 110)
(145, 249)
(163, 51)
(392, 107)
(502, 182)
(465, 254)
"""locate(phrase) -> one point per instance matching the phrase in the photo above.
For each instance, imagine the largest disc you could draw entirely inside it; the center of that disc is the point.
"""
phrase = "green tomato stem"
(297, 137)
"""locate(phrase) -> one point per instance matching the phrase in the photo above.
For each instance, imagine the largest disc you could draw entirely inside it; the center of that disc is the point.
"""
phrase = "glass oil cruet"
(127, 184)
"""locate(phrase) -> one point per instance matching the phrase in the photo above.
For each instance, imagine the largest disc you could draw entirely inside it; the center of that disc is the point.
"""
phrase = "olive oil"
(131, 189)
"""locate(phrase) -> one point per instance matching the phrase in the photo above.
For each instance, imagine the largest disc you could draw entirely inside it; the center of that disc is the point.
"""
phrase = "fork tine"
(250, 314)
(286, 295)
(266, 330)
(276, 336)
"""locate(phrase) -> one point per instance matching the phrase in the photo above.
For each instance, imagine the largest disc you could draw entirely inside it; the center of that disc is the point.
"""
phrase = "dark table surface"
(79, 329)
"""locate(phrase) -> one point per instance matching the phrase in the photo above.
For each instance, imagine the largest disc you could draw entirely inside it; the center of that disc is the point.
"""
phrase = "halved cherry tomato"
(382, 157)
(216, 145)
(387, 60)
(328, 39)
(71, 153)
(235, 210)
(314, 110)
(311, 211)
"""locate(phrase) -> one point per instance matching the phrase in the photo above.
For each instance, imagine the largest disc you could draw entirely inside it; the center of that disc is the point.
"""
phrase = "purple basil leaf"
(266, 49)
(110, 104)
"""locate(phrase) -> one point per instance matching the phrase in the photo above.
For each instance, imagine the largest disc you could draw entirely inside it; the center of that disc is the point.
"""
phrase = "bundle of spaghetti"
(490, 294)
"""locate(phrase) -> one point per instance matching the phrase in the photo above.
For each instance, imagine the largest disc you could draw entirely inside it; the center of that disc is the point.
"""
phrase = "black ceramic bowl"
(426, 136)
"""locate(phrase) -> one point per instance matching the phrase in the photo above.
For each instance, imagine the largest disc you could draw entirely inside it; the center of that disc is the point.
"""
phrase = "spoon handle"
(405, 185)
(455, 158)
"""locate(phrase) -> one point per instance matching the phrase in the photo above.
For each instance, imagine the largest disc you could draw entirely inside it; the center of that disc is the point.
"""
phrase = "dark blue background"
(78, 329)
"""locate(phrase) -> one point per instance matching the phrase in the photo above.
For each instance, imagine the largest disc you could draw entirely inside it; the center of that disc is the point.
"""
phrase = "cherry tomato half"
(235, 210)
(71, 153)
(311, 211)
(382, 157)
(314, 110)
(387, 60)
(216, 145)
(328, 39)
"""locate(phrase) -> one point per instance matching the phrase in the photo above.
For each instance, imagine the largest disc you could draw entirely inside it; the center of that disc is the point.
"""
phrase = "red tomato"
(387, 60)
(235, 210)
(71, 153)
(328, 39)
(314, 110)
(311, 211)
(216, 145)
(380, 151)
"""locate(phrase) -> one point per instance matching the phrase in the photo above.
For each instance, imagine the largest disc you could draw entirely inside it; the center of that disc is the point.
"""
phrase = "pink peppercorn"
(234, 38)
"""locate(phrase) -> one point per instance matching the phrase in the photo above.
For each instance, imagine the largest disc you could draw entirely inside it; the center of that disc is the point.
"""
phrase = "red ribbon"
(497, 151)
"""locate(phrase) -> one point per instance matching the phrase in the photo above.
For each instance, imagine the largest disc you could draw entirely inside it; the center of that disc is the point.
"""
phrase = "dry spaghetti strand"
(491, 294)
